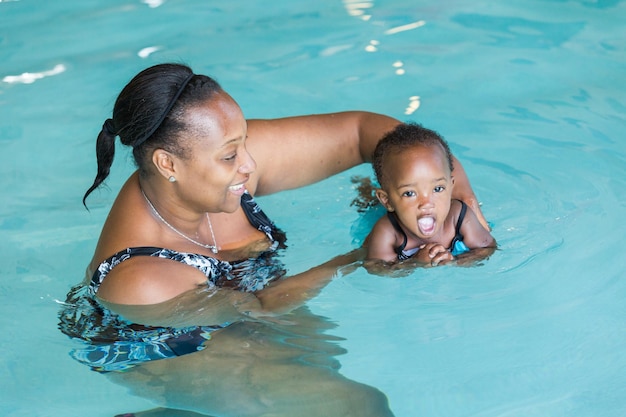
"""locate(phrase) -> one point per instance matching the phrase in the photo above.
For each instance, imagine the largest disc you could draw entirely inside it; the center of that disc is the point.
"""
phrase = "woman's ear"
(383, 197)
(164, 163)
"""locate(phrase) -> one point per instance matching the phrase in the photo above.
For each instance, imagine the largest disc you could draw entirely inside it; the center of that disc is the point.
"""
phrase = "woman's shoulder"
(148, 280)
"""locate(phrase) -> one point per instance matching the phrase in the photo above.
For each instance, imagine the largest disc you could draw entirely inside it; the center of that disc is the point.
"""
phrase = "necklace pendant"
(214, 249)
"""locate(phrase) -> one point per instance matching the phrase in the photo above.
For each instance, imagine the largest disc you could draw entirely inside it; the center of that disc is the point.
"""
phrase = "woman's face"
(219, 165)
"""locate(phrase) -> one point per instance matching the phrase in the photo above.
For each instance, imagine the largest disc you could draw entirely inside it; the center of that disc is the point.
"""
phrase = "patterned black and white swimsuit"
(111, 343)
(218, 273)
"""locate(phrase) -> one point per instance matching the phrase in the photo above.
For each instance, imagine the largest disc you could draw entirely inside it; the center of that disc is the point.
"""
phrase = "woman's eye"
(230, 157)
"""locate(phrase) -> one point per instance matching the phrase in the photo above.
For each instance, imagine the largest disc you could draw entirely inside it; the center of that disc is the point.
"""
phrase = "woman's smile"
(237, 189)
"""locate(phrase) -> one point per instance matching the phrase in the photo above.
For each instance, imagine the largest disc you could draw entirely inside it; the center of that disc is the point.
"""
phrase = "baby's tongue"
(426, 225)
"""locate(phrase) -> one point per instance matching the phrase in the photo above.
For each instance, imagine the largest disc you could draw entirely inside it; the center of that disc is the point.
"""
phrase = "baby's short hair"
(403, 136)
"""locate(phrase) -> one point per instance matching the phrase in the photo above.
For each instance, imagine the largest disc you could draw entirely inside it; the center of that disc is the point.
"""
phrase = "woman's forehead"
(219, 117)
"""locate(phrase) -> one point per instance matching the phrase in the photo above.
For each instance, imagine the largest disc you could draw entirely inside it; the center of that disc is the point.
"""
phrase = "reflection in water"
(284, 367)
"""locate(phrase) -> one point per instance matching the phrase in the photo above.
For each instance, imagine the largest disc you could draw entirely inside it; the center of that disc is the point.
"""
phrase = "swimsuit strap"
(211, 267)
(259, 219)
(458, 237)
(394, 222)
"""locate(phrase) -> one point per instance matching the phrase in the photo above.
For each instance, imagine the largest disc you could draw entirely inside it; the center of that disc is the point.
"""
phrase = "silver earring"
(172, 178)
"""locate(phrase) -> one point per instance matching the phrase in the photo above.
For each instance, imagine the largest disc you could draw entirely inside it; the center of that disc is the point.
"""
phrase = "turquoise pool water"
(531, 96)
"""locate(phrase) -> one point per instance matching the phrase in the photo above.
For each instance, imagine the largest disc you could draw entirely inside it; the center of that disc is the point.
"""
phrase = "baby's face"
(418, 186)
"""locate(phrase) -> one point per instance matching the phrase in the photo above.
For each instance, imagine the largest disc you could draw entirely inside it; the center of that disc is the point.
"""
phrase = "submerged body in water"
(242, 366)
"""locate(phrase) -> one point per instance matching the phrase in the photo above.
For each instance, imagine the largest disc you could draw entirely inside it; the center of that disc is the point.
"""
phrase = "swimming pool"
(529, 94)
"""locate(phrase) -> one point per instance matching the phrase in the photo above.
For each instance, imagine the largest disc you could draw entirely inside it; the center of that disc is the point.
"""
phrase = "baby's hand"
(434, 254)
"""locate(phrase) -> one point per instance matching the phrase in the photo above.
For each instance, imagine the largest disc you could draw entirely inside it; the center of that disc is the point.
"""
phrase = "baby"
(413, 166)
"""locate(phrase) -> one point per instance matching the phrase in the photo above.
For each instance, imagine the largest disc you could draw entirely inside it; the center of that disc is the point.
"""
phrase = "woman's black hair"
(148, 114)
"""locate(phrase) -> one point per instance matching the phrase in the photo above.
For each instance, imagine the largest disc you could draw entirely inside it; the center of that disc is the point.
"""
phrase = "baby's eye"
(439, 189)
(408, 194)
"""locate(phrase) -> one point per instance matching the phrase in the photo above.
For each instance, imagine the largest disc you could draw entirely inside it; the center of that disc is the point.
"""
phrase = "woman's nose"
(248, 164)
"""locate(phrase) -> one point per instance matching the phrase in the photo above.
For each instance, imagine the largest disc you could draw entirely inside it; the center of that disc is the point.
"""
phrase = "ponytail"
(105, 151)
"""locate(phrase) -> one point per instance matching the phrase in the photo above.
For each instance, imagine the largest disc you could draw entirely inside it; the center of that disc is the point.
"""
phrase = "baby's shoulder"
(383, 225)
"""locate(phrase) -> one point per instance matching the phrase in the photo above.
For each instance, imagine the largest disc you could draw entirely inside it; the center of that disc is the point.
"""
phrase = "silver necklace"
(154, 210)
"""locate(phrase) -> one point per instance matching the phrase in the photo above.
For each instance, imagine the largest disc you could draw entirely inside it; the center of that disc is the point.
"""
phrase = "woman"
(185, 255)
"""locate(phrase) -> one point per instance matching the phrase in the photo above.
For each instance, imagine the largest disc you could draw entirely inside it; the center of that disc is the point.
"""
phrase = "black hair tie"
(165, 112)
(109, 128)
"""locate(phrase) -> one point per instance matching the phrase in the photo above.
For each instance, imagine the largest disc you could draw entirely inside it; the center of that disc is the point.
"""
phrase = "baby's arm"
(476, 238)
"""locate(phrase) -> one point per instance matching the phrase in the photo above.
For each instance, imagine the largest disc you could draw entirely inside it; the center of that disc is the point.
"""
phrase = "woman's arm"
(202, 306)
(211, 306)
(291, 292)
(297, 151)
